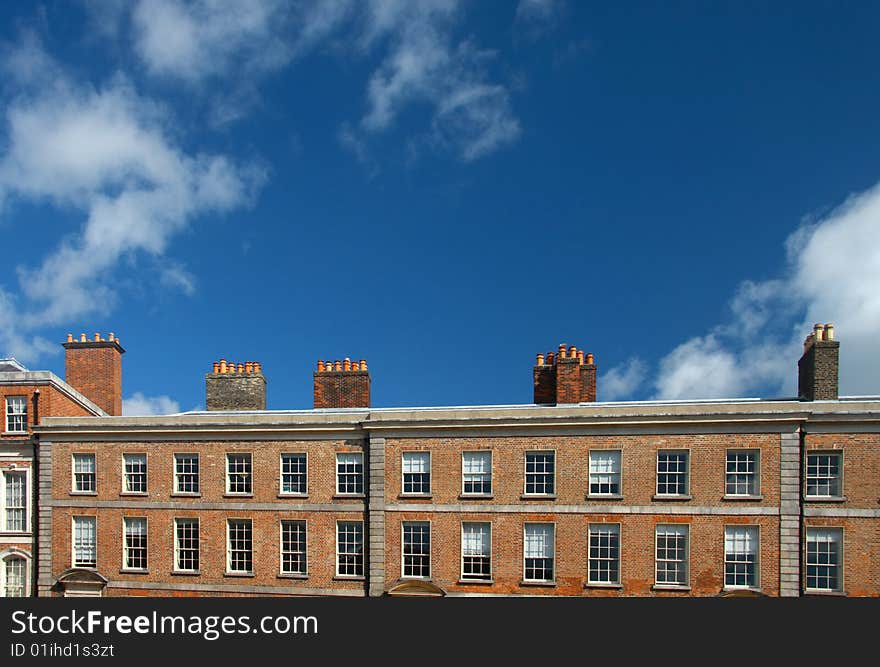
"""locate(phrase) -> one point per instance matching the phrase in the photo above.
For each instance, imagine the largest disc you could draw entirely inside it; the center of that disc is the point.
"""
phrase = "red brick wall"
(342, 389)
(95, 370)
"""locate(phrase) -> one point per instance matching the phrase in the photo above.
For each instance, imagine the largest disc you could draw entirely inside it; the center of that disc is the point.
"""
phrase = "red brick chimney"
(94, 368)
(342, 384)
(568, 376)
(817, 368)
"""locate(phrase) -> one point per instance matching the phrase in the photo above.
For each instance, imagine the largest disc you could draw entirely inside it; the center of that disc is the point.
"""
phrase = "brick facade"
(94, 368)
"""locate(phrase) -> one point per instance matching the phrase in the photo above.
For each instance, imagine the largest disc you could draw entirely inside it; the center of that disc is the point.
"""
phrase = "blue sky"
(444, 189)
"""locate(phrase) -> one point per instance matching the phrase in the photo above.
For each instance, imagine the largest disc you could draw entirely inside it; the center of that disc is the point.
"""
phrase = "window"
(417, 473)
(134, 547)
(538, 551)
(16, 414)
(293, 474)
(14, 571)
(476, 551)
(476, 473)
(672, 473)
(823, 475)
(671, 559)
(239, 546)
(186, 473)
(350, 549)
(416, 549)
(15, 501)
(84, 547)
(350, 473)
(539, 473)
(605, 473)
(134, 477)
(186, 545)
(741, 557)
(824, 559)
(742, 473)
(84, 473)
(293, 547)
(238, 473)
(604, 565)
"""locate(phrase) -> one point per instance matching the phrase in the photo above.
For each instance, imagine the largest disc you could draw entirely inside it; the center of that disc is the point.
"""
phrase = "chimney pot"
(82, 338)
(111, 337)
(829, 331)
(258, 367)
(97, 338)
(363, 364)
(580, 357)
(337, 365)
(69, 338)
(223, 365)
(590, 358)
(817, 332)
(540, 360)
(241, 368)
(320, 365)
(346, 364)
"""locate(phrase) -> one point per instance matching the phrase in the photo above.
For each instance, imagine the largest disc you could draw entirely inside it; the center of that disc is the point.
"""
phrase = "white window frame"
(15, 554)
(243, 521)
(592, 529)
(339, 553)
(619, 473)
(403, 473)
(10, 415)
(838, 453)
(127, 477)
(542, 494)
(305, 552)
(178, 548)
(403, 554)
(757, 564)
(249, 473)
(555, 565)
(339, 492)
(687, 474)
(480, 494)
(686, 561)
(470, 578)
(73, 485)
(178, 475)
(125, 548)
(841, 560)
(73, 541)
(297, 494)
(756, 473)
(4, 501)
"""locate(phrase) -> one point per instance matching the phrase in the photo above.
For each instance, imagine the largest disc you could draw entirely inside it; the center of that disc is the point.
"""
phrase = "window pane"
(15, 577)
(293, 547)
(604, 565)
(476, 470)
(538, 551)
(186, 473)
(293, 473)
(135, 543)
(135, 473)
(416, 472)
(84, 541)
(742, 473)
(672, 473)
(84, 472)
(605, 473)
(186, 544)
(416, 549)
(16, 498)
(741, 556)
(238, 473)
(240, 545)
(349, 473)
(823, 559)
(671, 558)
(540, 472)
(350, 548)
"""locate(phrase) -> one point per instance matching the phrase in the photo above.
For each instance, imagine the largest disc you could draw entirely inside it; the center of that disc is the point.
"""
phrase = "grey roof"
(11, 365)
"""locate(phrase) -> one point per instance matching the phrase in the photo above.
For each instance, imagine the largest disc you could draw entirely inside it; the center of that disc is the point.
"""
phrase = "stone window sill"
(186, 573)
(349, 496)
(239, 574)
(671, 498)
(182, 494)
(478, 582)
(669, 587)
(295, 496)
(415, 496)
(291, 575)
(136, 494)
(833, 594)
(746, 498)
(84, 493)
(825, 499)
(538, 496)
(238, 495)
(476, 496)
(604, 496)
(343, 577)
(542, 584)
(131, 571)
(605, 586)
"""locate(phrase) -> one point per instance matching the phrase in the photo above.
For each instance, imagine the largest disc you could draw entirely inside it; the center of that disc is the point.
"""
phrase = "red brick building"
(26, 396)
(564, 496)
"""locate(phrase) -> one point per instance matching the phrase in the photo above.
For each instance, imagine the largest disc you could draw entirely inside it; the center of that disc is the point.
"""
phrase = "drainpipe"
(35, 496)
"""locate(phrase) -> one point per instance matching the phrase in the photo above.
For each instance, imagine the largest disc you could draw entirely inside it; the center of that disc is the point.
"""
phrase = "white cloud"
(108, 154)
(470, 115)
(621, 381)
(138, 405)
(420, 61)
(832, 275)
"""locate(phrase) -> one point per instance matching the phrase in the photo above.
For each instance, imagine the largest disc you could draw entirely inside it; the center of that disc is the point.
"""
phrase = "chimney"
(94, 368)
(567, 376)
(343, 384)
(817, 368)
(234, 386)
